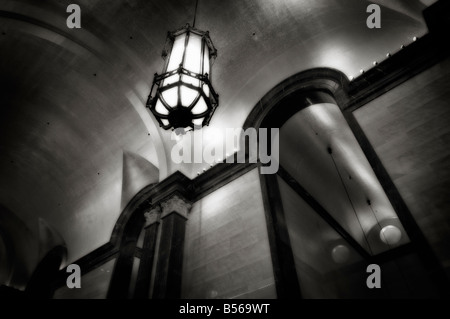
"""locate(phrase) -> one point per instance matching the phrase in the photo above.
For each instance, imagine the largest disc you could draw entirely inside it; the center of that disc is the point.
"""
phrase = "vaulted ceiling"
(72, 102)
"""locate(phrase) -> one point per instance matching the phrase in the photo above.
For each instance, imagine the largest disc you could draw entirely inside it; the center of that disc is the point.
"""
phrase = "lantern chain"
(195, 13)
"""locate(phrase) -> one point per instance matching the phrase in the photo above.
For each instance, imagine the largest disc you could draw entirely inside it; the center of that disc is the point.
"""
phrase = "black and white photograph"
(224, 155)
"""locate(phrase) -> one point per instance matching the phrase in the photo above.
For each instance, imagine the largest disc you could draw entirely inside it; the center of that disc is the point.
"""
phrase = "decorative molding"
(318, 85)
(415, 58)
(152, 216)
(175, 204)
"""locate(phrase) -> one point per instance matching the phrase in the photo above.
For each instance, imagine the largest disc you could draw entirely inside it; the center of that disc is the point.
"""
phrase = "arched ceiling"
(72, 100)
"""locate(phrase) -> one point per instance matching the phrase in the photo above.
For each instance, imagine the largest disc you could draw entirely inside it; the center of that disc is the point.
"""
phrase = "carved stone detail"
(176, 204)
(152, 216)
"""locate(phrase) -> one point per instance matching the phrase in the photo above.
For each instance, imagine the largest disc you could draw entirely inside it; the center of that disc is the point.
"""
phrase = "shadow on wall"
(25, 260)
(18, 250)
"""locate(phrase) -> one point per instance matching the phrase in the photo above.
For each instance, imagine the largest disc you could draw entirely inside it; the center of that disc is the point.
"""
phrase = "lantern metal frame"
(181, 117)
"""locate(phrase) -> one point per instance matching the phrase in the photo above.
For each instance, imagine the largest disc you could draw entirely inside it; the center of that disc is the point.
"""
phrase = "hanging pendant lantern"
(182, 97)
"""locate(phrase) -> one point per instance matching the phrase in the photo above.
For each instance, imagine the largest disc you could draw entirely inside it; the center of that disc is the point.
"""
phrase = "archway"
(328, 208)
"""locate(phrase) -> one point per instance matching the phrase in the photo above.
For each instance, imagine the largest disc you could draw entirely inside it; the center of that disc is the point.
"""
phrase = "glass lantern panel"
(190, 80)
(160, 108)
(193, 56)
(200, 107)
(187, 96)
(176, 55)
(165, 122)
(171, 96)
(171, 79)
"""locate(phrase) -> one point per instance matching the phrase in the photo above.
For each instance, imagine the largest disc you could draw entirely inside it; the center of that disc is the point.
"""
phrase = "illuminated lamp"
(340, 254)
(390, 235)
(182, 97)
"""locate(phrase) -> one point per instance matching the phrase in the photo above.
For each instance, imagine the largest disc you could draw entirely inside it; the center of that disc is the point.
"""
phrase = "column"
(152, 221)
(170, 256)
